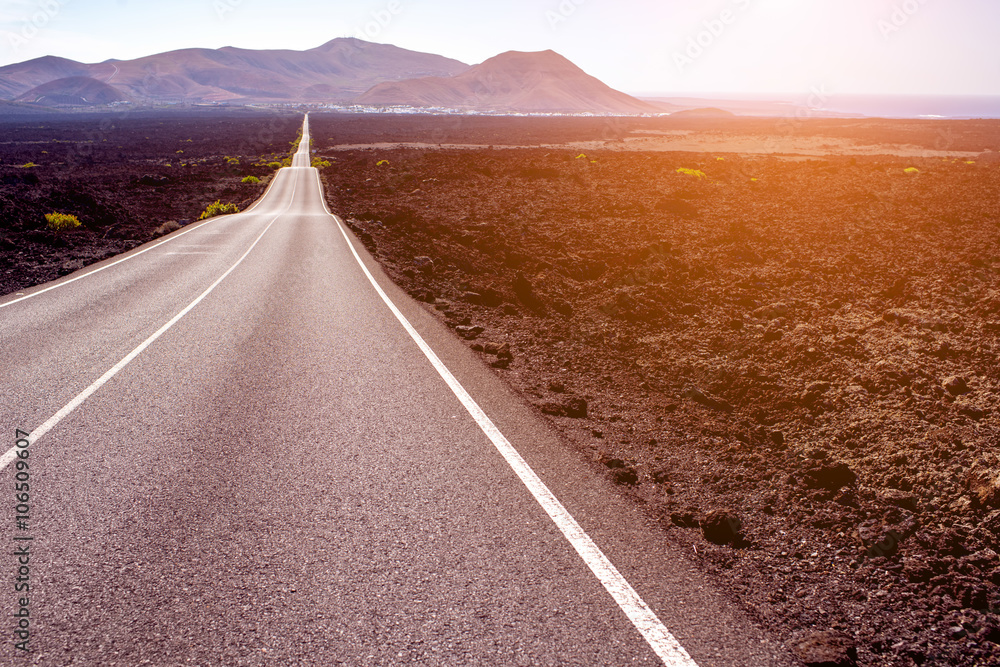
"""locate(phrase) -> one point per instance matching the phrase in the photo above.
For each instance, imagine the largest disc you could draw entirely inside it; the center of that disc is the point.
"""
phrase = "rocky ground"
(128, 177)
(793, 363)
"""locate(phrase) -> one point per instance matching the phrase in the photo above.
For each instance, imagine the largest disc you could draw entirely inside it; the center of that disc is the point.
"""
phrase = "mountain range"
(342, 71)
(541, 81)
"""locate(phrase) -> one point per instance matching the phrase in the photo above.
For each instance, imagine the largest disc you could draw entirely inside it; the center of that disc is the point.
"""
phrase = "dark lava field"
(791, 361)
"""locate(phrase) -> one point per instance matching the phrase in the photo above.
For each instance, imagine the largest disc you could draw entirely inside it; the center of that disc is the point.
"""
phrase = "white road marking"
(67, 409)
(171, 237)
(646, 622)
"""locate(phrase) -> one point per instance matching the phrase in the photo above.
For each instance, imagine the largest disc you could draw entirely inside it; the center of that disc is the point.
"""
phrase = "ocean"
(834, 104)
(913, 106)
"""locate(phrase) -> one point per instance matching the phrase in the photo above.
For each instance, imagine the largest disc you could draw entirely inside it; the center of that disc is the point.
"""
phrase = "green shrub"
(251, 179)
(27, 165)
(218, 208)
(320, 163)
(233, 161)
(287, 162)
(274, 165)
(61, 222)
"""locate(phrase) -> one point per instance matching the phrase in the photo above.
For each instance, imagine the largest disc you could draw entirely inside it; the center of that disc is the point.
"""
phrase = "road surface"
(248, 447)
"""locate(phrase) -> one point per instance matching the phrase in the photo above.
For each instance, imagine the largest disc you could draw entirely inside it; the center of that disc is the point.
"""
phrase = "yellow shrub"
(61, 222)
(697, 173)
(218, 208)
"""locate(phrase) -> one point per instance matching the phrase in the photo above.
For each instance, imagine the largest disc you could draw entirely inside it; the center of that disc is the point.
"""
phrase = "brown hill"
(17, 79)
(73, 91)
(335, 72)
(513, 81)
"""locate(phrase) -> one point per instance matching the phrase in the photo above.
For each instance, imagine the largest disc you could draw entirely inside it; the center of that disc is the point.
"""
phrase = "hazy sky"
(640, 46)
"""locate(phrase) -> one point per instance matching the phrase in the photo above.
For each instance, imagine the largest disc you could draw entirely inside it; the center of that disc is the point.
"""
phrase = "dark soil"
(792, 363)
(124, 176)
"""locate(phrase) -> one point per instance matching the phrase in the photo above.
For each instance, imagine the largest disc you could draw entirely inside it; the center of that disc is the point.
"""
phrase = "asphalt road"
(243, 452)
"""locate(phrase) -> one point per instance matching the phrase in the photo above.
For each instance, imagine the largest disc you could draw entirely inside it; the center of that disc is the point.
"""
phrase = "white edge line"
(646, 622)
(49, 424)
(170, 237)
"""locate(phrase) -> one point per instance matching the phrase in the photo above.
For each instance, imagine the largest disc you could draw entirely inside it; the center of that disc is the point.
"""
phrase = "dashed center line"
(67, 409)
(168, 239)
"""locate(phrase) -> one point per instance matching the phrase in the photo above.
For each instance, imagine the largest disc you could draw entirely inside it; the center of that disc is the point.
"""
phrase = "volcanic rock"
(71, 266)
(773, 311)
(826, 649)
(525, 291)
(903, 499)
(698, 396)
(956, 385)
(818, 387)
(469, 332)
(721, 527)
(622, 473)
(829, 476)
(972, 412)
(574, 407)
(424, 264)
(983, 481)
